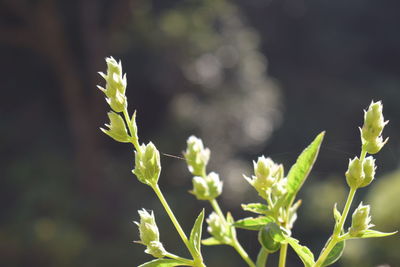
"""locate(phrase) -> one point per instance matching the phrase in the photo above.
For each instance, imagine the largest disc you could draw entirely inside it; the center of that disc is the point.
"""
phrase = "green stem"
(198, 261)
(176, 257)
(262, 258)
(282, 255)
(235, 243)
(335, 237)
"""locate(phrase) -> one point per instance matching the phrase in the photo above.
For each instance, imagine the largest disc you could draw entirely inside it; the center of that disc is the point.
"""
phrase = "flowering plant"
(275, 215)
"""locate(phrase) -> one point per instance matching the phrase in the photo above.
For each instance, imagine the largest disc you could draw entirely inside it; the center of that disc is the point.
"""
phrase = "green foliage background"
(249, 77)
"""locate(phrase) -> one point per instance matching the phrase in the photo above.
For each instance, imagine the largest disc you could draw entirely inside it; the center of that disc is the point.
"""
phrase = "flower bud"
(147, 164)
(115, 85)
(148, 229)
(360, 221)
(279, 188)
(266, 240)
(355, 173)
(196, 156)
(266, 174)
(117, 128)
(369, 171)
(156, 249)
(373, 122)
(207, 188)
(374, 146)
(218, 229)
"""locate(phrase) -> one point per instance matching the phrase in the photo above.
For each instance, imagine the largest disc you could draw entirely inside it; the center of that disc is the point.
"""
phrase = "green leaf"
(305, 254)
(163, 263)
(373, 233)
(335, 254)
(211, 241)
(300, 170)
(195, 234)
(251, 223)
(256, 208)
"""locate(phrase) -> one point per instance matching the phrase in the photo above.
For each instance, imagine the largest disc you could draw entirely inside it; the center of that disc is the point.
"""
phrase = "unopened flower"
(372, 128)
(361, 221)
(147, 164)
(218, 229)
(207, 188)
(196, 156)
(116, 128)
(148, 229)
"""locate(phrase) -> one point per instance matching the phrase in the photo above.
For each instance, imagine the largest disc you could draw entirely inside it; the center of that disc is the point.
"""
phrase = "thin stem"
(196, 257)
(282, 255)
(134, 141)
(176, 257)
(262, 258)
(335, 237)
(235, 243)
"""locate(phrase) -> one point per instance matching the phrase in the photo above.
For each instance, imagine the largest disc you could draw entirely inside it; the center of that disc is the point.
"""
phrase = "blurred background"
(248, 77)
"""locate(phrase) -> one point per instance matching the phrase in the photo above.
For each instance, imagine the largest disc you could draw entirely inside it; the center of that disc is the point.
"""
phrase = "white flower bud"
(355, 173)
(148, 229)
(360, 221)
(218, 229)
(147, 164)
(196, 156)
(207, 188)
(156, 249)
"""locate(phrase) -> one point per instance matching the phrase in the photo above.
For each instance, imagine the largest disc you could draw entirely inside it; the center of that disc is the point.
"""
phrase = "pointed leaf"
(256, 208)
(300, 170)
(163, 263)
(211, 241)
(305, 254)
(251, 223)
(335, 254)
(373, 233)
(195, 234)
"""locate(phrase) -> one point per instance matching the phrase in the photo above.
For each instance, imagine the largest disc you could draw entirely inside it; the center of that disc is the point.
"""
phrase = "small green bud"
(207, 188)
(369, 171)
(218, 229)
(360, 221)
(266, 174)
(265, 237)
(147, 164)
(373, 122)
(196, 156)
(115, 85)
(148, 229)
(374, 146)
(156, 249)
(355, 173)
(117, 128)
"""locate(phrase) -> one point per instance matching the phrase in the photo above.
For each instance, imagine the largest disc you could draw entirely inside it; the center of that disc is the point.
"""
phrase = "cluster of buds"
(115, 85)
(147, 164)
(371, 131)
(196, 156)
(361, 221)
(360, 173)
(268, 176)
(218, 229)
(208, 187)
(149, 235)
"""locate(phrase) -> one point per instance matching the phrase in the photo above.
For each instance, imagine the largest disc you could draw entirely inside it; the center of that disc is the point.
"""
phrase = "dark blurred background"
(248, 77)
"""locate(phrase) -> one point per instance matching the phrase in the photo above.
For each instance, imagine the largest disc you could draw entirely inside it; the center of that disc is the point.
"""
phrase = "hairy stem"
(196, 257)
(235, 242)
(335, 237)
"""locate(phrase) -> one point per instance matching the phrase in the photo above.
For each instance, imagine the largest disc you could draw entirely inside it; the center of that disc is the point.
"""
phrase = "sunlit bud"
(148, 229)
(355, 173)
(374, 146)
(279, 188)
(266, 174)
(218, 229)
(360, 221)
(196, 156)
(115, 85)
(156, 249)
(369, 171)
(116, 128)
(373, 122)
(207, 188)
(147, 164)
(265, 238)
